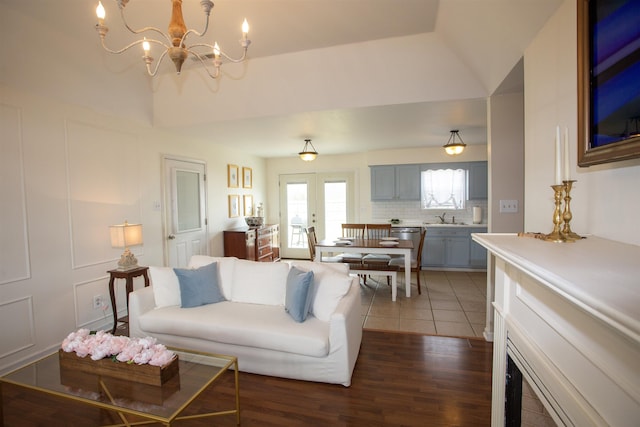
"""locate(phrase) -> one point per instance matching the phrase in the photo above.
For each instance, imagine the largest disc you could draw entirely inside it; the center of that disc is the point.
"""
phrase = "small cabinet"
(452, 247)
(446, 247)
(395, 182)
(478, 253)
(254, 244)
(478, 181)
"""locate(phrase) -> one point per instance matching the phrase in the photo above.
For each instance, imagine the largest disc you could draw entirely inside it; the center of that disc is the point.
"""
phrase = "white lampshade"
(124, 236)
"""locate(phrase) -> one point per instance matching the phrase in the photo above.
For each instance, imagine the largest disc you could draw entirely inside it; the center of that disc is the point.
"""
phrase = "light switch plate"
(508, 206)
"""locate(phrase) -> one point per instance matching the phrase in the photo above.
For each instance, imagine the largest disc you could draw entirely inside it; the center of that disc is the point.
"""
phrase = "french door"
(323, 201)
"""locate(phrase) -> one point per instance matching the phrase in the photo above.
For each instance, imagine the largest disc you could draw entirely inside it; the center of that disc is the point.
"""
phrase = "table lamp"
(124, 236)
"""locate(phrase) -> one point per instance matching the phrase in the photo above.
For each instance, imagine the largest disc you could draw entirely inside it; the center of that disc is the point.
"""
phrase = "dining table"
(389, 246)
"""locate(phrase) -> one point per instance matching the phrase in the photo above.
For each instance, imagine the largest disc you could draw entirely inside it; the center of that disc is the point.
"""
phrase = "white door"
(323, 201)
(185, 210)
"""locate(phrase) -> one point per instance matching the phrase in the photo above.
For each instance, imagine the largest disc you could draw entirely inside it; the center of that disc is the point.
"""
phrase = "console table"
(568, 315)
(128, 275)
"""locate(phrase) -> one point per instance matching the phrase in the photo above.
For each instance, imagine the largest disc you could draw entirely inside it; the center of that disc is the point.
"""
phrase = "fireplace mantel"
(568, 314)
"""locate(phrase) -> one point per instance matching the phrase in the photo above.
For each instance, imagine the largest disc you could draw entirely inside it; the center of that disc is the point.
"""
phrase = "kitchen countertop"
(455, 225)
(435, 224)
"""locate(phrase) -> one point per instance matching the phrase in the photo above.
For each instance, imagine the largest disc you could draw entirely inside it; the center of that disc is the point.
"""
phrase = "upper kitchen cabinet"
(478, 181)
(395, 182)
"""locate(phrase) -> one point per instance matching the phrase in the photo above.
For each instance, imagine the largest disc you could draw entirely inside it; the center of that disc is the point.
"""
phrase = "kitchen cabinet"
(477, 253)
(395, 182)
(478, 181)
(452, 247)
(253, 243)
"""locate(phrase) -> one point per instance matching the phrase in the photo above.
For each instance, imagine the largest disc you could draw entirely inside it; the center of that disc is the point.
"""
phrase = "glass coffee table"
(164, 404)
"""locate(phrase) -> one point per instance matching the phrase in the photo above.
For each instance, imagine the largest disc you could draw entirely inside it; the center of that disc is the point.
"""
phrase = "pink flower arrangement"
(120, 348)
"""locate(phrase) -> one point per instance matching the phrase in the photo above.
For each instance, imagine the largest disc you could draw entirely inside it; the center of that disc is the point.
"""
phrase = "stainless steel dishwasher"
(408, 233)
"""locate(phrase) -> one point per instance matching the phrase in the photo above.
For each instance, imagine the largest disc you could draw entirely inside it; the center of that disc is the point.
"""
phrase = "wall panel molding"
(83, 292)
(20, 315)
(103, 186)
(15, 263)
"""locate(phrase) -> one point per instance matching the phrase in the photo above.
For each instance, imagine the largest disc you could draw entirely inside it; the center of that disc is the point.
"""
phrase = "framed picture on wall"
(233, 180)
(608, 89)
(234, 205)
(247, 177)
(248, 205)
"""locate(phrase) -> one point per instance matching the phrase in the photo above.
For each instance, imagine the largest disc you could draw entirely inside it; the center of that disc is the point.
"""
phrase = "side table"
(128, 275)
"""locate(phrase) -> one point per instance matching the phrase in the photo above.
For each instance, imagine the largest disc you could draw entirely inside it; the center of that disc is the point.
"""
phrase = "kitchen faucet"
(441, 217)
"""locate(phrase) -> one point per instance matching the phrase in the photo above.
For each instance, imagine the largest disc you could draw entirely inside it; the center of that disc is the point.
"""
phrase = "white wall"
(506, 165)
(69, 173)
(605, 199)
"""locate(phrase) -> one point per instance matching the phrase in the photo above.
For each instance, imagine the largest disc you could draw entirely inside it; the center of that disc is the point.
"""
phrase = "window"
(443, 188)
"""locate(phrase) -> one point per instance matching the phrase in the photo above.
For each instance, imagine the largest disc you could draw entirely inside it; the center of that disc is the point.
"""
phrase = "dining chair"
(377, 231)
(355, 231)
(415, 262)
(312, 240)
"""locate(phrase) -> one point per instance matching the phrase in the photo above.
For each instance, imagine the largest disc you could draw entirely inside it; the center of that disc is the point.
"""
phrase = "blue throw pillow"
(298, 297)
(199, 286)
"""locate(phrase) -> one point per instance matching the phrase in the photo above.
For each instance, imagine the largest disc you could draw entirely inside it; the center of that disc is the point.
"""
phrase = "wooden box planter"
(144, 374)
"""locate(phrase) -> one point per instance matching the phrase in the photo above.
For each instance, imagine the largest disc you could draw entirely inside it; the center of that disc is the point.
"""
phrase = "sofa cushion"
(252, 325)
(330, 284)
(165, 285)
(320, 267)
(199, 286)
(328, 291)
(298, 294)
(225, 270)
(259, 282)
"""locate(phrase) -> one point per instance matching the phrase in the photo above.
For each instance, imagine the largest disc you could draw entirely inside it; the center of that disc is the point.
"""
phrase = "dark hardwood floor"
(399, 380)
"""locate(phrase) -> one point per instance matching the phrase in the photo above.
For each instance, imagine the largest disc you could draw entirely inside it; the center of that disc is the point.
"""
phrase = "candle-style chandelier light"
(174, 41)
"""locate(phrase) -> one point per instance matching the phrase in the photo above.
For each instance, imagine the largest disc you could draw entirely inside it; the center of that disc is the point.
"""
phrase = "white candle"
(558, 163)
(567, 174)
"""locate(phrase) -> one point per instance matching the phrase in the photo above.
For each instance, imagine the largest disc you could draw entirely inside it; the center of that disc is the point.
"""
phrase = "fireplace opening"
(523, 408)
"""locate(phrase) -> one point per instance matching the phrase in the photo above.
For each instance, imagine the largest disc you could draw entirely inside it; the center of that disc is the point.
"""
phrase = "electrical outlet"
(508, 206)
(98, 302)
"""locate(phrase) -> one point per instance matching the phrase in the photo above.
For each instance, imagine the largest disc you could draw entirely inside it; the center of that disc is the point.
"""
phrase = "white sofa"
(252, 323)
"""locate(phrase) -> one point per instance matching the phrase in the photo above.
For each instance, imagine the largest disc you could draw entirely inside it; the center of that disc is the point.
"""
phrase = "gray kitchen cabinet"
(457, 251)
(433, 250)
(478, 181)
(395, 182)
(452, 247)
(478, 253)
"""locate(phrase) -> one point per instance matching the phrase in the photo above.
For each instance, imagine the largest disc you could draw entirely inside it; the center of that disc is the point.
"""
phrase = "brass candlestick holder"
(556, 235)
(566, 215)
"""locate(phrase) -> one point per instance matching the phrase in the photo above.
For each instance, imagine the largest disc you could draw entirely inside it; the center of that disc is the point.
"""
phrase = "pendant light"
(452, 147)
(308, 154)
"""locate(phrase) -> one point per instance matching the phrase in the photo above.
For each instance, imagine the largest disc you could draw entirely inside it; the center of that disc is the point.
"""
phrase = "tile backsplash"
(410, 211)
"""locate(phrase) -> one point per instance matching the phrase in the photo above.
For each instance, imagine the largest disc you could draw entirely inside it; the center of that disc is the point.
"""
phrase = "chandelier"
(452, 147)
(174, 40)
(308, 154)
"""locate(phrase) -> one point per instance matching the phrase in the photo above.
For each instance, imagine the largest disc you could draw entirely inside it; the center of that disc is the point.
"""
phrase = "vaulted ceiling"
(352, 75)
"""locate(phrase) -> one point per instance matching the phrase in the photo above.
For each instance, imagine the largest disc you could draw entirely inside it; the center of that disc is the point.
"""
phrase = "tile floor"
(451, 304)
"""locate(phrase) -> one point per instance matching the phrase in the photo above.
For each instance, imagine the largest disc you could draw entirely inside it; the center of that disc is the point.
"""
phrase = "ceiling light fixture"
(452, 147)
(307, 154)
(174, 40)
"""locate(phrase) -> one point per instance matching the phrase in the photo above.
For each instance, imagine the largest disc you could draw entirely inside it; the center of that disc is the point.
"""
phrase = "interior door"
(324, 201)
(185, 210)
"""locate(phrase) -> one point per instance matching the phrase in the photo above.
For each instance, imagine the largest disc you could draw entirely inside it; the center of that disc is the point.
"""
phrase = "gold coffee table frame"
(198, 371)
